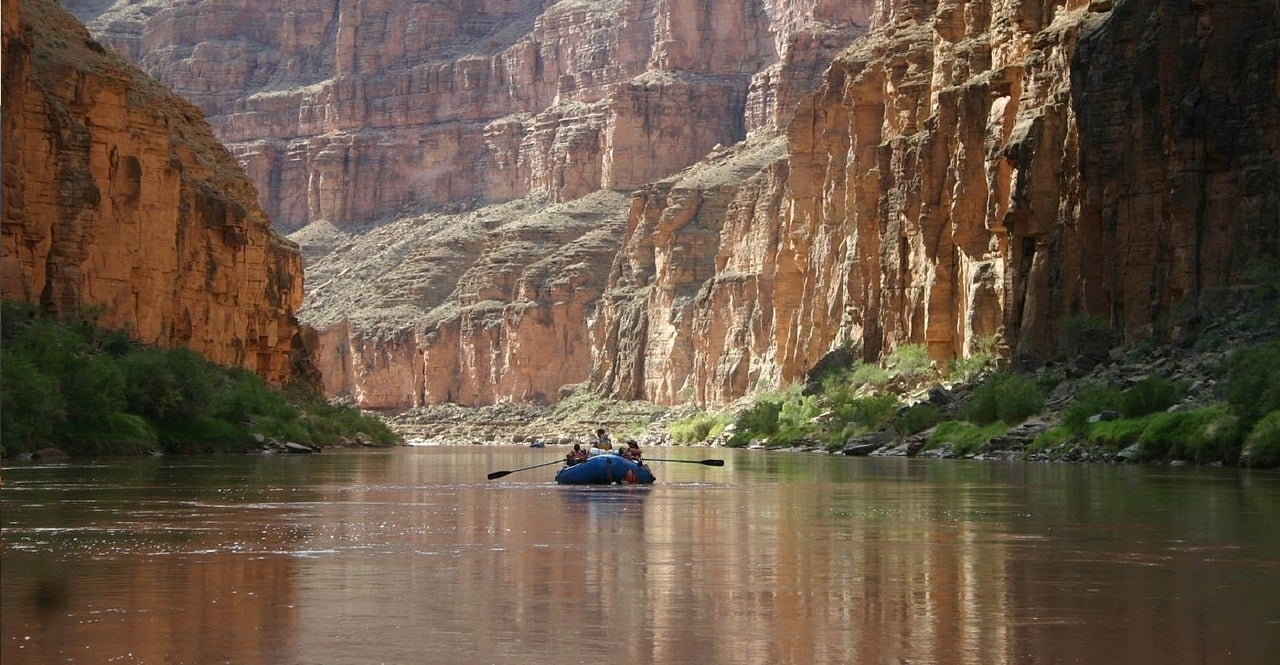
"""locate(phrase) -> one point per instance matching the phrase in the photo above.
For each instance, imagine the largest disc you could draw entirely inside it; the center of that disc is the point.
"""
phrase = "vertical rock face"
(352, 111)
(966, 170)
(1178, 108)
(963, 170)
(117, 194)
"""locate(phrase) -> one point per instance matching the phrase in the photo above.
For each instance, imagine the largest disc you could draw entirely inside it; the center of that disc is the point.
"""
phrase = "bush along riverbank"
(1212, 398)
(73, 388)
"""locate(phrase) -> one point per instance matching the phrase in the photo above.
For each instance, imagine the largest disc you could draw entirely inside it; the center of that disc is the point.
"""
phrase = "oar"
(498, 474)
(707, 462)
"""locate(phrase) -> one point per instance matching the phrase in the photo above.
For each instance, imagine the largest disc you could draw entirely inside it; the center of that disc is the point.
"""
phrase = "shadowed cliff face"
(964, 170)
(116, 194)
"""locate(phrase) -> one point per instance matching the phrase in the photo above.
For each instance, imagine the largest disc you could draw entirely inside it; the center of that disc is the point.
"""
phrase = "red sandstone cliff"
(964, 170)
(117, 194)
(353, 111)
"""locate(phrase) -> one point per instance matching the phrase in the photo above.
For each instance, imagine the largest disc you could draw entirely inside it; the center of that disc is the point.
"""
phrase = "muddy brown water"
(412, 556)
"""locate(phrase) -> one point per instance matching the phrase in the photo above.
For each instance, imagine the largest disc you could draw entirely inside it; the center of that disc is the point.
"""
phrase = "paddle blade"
(713, 462)
(498, 474)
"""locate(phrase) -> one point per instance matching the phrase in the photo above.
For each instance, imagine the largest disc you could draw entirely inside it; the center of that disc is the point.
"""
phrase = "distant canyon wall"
(117, 194)
(965, 170)
(355, 111)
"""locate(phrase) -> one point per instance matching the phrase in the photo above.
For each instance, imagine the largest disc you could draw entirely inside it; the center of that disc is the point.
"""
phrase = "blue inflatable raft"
(605, 470)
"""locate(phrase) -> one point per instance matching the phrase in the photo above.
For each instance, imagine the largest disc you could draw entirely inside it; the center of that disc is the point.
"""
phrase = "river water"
(412, 556)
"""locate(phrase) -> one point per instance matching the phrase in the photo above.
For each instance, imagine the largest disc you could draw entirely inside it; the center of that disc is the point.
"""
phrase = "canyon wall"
(355, 111)
(967, 170)
(117, 195)
(685, 201)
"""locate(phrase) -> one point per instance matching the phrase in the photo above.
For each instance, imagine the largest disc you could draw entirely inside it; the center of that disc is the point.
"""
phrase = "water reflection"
(411, 557)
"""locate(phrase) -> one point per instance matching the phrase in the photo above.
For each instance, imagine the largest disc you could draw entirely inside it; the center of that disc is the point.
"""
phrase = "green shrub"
(241, 395)
(696, 428)
(328, 422)
(1115, 435)
(1201, 436)
(1005, 397)
(110, 434)
(1090, 401)
(864, 413)
(779, 419)
(918, 418)
(965, 438)
(167, 384)
(202, 435)
(871, 376)
(31, 403)
(1252, 382)
(1050, 438)
(798, 412)
(982, 359)
(1150, 395)
(789, 435)
(910, 364)
(1262, 447)
(758, 422)
(91, 391)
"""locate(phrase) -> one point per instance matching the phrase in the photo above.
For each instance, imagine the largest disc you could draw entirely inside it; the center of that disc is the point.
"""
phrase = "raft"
(605, 470)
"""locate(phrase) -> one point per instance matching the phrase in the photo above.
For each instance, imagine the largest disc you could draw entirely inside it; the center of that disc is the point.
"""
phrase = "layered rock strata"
(353, 111)
(117, 195)
(966, 170)
(484, 307)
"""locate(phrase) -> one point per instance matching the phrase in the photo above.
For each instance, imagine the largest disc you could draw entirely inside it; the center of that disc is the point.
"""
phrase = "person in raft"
(602, 440)
(575, 456)
(632, 452)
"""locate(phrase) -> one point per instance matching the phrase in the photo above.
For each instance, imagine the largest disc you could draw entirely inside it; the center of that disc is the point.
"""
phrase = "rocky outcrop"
(117, 195)
(479, 308)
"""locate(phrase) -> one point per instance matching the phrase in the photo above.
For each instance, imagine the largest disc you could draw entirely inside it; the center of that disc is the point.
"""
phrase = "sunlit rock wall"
(966, 170)
(117, 195)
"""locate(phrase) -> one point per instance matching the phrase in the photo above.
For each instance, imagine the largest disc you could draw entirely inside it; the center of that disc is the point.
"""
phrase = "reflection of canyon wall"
(116, 194)
(965, 170)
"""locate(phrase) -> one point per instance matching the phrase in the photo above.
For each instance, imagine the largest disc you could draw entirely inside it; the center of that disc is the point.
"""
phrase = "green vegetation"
(965, 438)
(697, 428)
(917, 418)
(1150, 395)
(1240, 429)
(92, 391)
(859, 398)
(1006, 397)
(855, 399)
(983, 359)
(1262, 448)
(1050, 438)
(1202, 436)
(1115, 435)
(1252, 382)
